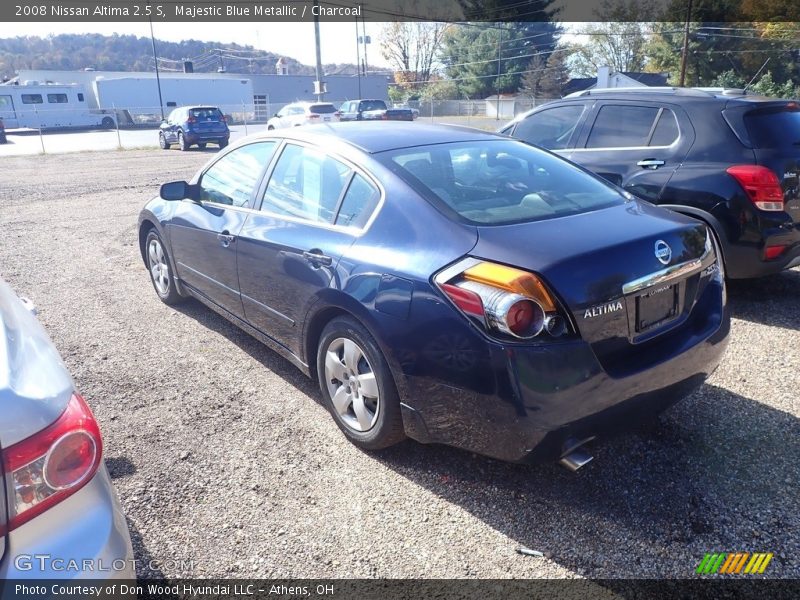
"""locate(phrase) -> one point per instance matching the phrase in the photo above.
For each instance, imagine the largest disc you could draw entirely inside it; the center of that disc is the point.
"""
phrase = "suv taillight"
(53, 464)
(506, 302)
(761, 185)
(191, 120)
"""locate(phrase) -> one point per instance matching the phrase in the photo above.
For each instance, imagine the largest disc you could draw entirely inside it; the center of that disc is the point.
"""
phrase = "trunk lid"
(605, 268)
(35, 387)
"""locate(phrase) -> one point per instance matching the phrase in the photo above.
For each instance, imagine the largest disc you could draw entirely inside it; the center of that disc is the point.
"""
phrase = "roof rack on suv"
(678, 91)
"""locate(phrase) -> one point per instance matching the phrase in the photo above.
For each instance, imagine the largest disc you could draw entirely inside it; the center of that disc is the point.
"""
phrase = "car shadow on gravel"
(267, 357)
(718, 472)
(769, 300)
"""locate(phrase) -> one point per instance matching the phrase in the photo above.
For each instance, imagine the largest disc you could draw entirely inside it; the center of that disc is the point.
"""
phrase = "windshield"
(322, 109)
(498, 182)
(774, 128)
(206, 114)
(372, 105)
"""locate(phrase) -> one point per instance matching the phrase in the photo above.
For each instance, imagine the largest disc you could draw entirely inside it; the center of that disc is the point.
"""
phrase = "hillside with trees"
(70, 52)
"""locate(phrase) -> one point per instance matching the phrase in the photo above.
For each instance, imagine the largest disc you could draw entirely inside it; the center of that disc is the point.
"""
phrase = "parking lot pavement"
(52, 142)
(223, 455)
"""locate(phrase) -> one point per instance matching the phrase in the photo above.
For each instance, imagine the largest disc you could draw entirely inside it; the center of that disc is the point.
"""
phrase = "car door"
(636, 145)
(349, 111)
(7, 113)
(173, 125)
(203, 232)
(314, 206)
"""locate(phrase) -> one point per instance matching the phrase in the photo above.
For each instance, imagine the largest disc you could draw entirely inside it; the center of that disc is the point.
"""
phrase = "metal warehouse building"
(261, 95)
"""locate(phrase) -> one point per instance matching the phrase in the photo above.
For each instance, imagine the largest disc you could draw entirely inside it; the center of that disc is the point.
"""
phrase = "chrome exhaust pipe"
(576, 459)
(574, 455)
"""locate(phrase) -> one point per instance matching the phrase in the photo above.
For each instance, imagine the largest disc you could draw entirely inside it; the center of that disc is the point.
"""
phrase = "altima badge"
(602, 309)
(663, 252)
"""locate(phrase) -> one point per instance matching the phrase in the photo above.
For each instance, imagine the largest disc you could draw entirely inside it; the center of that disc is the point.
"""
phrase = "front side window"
(620, 126)
(498, 182)
(305, 183)
(232, 179)
(551, 128)
(57, 98)
(32, 99)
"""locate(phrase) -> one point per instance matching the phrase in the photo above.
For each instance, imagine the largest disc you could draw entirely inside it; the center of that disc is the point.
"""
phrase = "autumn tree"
(411, 48)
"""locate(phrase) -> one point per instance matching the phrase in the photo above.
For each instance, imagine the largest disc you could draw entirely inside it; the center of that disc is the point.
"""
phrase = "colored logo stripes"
(734, 563)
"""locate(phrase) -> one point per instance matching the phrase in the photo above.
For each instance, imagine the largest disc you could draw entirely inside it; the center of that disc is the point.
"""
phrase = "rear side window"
(57, 98)
(358, 204)
(551, 128)
(232, 179)
(305, 183)
(205, 114)
(666, 130)
(322, 109)
(497, 182)
(32, 99)
(622, 126)
(774, 128)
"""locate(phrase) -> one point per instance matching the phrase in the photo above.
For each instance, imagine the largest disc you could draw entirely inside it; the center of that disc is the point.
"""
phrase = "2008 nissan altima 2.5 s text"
(447, 284)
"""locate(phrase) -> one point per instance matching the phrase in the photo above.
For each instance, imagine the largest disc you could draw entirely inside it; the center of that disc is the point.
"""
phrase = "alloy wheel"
(159, 268)
(352, 385)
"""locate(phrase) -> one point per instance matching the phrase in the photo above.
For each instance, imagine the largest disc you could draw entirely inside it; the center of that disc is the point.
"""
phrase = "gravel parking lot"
(222, 453)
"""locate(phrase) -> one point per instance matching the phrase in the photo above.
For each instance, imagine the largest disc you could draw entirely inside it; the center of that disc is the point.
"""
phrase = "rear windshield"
(372, 105)
(322, 109)
(774, 128)
(498, 182)
(206, 114)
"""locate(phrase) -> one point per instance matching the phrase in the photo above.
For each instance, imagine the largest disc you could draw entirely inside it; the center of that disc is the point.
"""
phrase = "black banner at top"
(499, 11)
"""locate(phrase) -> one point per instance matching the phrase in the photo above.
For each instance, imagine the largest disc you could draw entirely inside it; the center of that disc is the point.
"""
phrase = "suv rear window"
(372, 105)
(498, 182)
(206, 114)
(774, 128)
(322, 109)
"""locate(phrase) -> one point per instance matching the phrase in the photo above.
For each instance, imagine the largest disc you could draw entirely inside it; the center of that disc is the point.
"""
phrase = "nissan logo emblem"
(663, 252)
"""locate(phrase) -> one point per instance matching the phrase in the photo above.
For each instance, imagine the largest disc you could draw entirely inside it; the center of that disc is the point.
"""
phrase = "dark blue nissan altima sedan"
(447, 284)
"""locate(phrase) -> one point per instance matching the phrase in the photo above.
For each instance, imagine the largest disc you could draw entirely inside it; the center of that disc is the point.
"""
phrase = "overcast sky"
(295, 40)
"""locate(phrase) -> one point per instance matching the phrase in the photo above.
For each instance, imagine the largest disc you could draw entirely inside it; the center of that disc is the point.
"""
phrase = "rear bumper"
(745, 261)
(194, 137)
(83, 537)
(545, 395)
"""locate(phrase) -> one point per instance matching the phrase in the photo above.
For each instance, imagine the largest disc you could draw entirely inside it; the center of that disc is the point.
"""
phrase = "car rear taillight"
(773, 252)
(191, 120)
(313, 116)
(761, 185)
(337, 114)
(53, 464)
(503, 300)
(223, 119)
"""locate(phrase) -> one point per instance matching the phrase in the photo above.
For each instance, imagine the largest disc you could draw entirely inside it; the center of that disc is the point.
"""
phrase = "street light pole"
(320, 88)
(155, 60)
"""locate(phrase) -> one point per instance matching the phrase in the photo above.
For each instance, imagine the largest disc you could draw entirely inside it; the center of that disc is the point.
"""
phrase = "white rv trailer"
(49, 106)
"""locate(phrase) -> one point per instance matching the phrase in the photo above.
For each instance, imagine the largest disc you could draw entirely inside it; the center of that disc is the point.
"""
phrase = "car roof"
(380, 136)
(683, 95)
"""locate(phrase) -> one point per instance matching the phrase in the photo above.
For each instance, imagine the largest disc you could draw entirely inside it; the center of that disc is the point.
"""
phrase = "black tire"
(162, 141)
(107, 122)
(222, 143)
(387, 428)
(202, 145)
(270, 128)
(182, 142)
(169, 294)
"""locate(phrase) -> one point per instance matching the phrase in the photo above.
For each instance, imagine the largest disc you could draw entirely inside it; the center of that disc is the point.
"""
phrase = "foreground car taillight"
(53, 464)
(761, 185)
(502, 299)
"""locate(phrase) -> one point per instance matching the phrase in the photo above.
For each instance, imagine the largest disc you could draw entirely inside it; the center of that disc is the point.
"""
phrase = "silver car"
(59, 514)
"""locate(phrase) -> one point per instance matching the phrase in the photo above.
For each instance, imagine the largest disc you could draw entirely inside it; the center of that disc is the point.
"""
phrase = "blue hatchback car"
(188, 126)
(447, 284)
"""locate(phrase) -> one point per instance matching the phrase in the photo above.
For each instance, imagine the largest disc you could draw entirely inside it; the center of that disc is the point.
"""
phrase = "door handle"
(225, 238)
(650, 163)
(315, 257)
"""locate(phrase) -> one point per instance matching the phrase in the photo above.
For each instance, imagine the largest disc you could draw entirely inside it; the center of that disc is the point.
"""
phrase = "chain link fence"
(48, 128)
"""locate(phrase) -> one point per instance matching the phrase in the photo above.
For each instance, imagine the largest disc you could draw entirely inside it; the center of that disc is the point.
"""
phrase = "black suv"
(725, 157)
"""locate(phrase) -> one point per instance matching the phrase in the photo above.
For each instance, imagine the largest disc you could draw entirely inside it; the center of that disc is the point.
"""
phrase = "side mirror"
(177, 190)
(275, 115)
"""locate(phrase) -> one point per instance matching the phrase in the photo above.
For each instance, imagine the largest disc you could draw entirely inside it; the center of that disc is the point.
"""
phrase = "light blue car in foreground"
(59, 514)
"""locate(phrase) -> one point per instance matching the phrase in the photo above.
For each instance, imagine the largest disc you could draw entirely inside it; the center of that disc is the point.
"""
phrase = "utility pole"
(497, 82)
(685, 53)
(155, 59)
(358, 59)
(319, 86)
